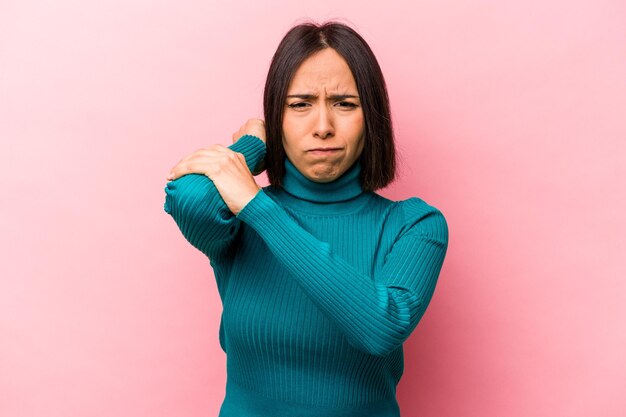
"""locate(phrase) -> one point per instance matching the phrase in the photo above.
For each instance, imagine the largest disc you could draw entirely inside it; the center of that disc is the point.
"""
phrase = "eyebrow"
(331, 97)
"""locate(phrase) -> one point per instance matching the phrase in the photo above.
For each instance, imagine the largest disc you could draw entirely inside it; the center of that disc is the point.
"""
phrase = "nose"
(324, 125)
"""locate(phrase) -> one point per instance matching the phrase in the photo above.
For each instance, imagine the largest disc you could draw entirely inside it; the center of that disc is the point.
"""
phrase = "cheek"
(358, 132)
(287, 131)
(293, 130)
(359, 148)
(294, 125)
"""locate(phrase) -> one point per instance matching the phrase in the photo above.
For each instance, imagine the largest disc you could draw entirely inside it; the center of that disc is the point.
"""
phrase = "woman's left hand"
(228, 171)
(233, 179)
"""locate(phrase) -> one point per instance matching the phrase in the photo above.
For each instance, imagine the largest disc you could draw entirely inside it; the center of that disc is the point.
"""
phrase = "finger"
(194, 164)
(212, 159)
(209, 150)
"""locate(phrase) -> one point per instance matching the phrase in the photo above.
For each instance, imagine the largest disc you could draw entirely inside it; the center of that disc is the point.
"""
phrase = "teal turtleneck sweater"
(320, 283)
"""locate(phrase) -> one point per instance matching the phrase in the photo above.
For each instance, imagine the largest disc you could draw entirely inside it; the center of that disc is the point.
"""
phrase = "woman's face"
(323, 120)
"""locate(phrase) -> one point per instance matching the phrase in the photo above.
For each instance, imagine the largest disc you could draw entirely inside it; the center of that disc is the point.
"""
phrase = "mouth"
(323, 151)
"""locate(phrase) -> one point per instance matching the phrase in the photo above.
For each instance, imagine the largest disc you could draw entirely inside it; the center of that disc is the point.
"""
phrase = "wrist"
(253, 150)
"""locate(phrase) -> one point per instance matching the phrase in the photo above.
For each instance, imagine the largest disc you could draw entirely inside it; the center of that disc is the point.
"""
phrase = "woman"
(321, 279)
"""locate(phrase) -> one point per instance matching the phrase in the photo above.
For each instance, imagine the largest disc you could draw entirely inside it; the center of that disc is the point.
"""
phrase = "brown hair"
(378, 164)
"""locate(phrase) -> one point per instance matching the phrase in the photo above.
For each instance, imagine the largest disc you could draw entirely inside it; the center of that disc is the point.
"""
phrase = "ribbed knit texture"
(321, 283)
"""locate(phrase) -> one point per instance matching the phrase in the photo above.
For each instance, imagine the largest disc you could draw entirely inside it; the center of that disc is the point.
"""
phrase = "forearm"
(375, 316)
(198, 209)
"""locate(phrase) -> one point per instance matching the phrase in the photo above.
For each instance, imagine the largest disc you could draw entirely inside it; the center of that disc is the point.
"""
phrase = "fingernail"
(170, 176)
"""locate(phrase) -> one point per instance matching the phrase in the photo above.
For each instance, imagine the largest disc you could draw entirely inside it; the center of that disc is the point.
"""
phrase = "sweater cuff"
(252, 148)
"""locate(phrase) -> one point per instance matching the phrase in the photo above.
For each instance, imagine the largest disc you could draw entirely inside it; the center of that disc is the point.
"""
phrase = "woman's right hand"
(254, 127)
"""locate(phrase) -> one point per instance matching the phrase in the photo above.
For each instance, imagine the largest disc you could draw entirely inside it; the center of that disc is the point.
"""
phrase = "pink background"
(510, 117)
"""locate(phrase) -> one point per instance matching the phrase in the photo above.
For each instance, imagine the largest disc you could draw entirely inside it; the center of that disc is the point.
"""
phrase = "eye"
(347, 104)
(298, 106)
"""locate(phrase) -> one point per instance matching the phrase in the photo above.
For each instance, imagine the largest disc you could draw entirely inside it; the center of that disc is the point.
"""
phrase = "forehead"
(323, 70)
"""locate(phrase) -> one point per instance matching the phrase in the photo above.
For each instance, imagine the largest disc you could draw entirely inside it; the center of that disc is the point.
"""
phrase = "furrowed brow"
(331, 97)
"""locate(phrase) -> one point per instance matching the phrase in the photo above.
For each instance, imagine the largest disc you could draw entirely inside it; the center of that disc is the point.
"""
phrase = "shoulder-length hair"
(378, 163)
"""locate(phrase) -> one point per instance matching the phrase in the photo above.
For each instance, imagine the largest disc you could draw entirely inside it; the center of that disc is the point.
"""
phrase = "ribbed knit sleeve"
(376, 314)
(199, 210)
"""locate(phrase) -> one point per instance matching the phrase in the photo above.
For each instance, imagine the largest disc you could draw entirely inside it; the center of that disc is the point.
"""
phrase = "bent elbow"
(381, 350)
(191, 193)
(401, 316)
(390, 342)
(168, 205)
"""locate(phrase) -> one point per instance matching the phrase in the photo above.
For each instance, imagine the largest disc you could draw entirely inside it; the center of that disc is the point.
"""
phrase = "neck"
(346, 187)
(339, 197)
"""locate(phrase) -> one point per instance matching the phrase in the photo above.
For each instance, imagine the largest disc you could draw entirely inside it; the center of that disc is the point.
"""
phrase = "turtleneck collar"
(344, 195)
(346, 187)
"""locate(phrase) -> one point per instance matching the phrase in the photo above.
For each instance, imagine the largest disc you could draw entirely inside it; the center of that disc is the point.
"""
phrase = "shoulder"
(419, 217)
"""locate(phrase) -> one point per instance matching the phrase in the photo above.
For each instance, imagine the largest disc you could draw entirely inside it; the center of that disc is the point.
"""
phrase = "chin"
(324, 175)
